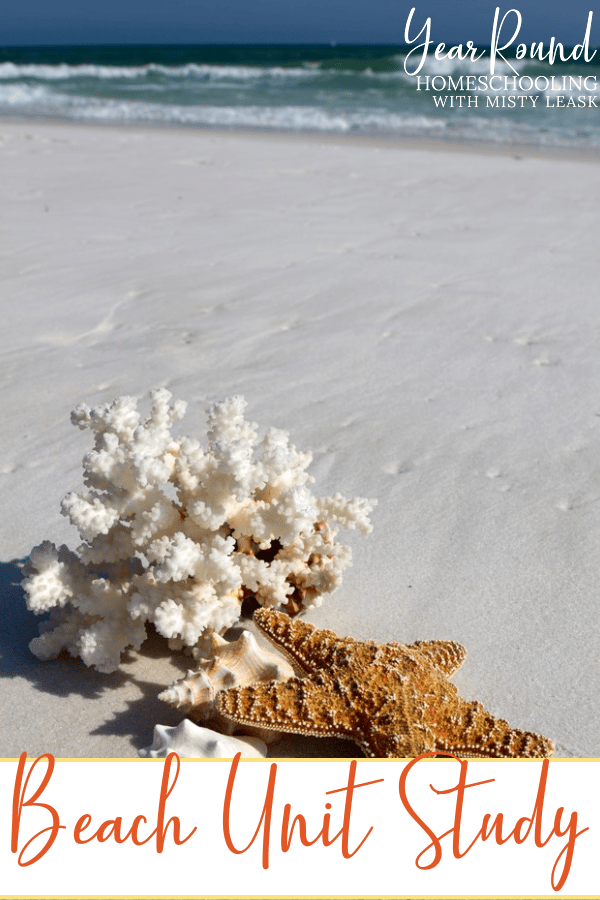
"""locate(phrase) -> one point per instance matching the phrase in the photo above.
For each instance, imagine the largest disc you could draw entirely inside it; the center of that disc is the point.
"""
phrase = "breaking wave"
(344, 90)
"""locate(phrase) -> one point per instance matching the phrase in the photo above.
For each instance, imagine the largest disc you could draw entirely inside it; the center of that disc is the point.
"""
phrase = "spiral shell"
(231, 664)
(190, 741)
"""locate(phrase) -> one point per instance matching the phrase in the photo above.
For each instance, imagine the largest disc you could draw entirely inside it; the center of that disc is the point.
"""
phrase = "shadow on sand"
(66, 676)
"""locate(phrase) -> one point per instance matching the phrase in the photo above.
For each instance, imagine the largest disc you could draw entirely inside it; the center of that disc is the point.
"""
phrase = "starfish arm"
(469, 730)
(307, 646)
(447, 656)
(300, 705)
(391, 735)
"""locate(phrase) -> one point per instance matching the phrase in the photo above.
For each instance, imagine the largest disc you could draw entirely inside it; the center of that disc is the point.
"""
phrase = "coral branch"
(178, 535)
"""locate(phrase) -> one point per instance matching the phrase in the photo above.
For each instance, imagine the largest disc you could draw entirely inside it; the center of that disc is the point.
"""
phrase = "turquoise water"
(303, 88)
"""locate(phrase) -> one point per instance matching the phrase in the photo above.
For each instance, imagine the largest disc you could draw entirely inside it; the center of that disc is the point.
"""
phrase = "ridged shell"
(231, 664)
(191, 741)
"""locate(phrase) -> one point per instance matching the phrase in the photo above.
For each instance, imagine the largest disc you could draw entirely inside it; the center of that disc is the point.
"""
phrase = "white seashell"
(191, 741)
(232, 663)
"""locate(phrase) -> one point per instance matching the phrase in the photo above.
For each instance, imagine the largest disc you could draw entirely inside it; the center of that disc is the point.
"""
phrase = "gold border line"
(303, 759)
(298, 897)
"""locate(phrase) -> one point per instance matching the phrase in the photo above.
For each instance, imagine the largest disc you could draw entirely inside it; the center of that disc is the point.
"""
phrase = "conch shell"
(231, 664)
(190, 741)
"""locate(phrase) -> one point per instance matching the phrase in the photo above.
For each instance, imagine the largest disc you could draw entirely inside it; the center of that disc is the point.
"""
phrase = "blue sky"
(262, 21)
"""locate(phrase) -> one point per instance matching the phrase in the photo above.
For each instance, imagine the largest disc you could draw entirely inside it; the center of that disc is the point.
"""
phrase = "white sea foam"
(292, 118)
(63, 71)
(433, 66)
(15, 95)
(252, 75)
(308, 96)
(468, 66)
(42, 101)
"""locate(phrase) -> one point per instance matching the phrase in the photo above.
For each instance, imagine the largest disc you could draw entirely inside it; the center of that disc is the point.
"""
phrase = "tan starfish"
(392, 699)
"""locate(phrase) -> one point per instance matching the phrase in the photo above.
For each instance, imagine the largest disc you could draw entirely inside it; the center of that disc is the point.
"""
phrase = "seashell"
(231, 664)
(191, 741)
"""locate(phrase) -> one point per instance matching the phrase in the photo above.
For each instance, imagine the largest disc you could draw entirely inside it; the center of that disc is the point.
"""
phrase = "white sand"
(427, 322)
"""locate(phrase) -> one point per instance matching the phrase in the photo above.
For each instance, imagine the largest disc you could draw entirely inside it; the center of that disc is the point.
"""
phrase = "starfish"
(393, 700)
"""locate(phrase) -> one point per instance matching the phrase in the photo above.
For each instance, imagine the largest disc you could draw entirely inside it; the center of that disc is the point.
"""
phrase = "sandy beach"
(426, 321)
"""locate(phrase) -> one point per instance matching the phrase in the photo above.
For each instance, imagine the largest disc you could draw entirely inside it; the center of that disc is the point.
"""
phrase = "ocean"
(353, 89)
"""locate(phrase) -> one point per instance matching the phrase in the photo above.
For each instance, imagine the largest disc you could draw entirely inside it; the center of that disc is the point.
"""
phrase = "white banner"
(299, 828)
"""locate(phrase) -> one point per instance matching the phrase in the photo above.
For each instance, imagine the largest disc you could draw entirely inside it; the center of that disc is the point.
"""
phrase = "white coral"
(178, 535)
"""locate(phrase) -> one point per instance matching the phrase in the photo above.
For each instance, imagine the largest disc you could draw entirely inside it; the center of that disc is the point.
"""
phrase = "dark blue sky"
(280, 21)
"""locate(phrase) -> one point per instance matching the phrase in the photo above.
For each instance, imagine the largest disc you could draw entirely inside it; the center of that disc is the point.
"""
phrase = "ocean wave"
(64, 71)
(10, 71)
(505, 131)
(38, 100)
(287, 118)
(343, 96)
(319, 72)
(433, 66)
(17, 95)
